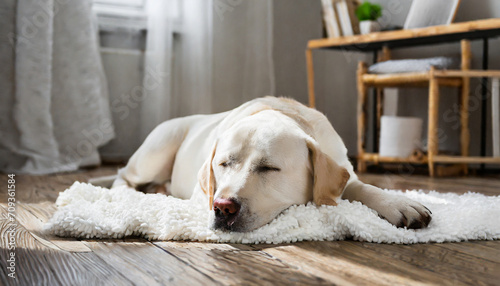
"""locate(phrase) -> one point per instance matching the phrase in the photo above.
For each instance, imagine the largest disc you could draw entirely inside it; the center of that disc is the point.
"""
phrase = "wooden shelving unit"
(380, 44)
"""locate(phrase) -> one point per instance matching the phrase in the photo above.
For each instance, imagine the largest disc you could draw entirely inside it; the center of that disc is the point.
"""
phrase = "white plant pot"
(366, 27)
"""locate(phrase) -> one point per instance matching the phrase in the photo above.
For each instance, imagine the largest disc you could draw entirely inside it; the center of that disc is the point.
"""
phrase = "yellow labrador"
(251, 163)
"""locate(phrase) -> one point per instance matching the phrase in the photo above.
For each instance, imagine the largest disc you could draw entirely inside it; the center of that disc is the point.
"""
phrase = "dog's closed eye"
(265, 169)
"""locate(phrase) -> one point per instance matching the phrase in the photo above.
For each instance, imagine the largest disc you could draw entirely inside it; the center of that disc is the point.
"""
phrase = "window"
(112, 14)
(125, 3)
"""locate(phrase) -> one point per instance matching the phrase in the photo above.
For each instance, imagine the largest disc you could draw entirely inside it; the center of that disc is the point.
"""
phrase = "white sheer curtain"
(193, 59)
(209, 56)
(178, 65)
(54, 110)
(158, 61)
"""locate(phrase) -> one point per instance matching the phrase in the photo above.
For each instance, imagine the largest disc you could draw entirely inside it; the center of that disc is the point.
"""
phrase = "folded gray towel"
(414, 65)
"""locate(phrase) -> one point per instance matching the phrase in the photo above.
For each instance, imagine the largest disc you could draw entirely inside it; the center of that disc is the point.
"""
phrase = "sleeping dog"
(251, 163)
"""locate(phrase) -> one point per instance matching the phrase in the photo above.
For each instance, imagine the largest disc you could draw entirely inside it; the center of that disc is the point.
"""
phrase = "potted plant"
(367, 14)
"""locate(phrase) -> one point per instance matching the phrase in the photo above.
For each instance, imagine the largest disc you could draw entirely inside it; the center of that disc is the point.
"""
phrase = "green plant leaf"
(368, 11)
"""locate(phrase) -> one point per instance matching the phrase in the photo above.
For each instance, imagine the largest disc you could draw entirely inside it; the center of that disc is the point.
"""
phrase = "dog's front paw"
(402, 212)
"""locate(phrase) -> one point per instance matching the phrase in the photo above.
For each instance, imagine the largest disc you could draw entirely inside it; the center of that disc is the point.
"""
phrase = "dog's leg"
(398, 210)
(150, 168)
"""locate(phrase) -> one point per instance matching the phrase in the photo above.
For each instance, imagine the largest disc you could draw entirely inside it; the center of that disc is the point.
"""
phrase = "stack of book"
(339, 17)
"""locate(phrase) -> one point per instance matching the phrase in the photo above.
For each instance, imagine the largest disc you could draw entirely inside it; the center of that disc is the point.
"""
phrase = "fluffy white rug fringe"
(86, 211)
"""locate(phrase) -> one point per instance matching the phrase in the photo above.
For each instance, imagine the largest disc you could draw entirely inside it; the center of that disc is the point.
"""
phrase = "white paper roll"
(400, 136)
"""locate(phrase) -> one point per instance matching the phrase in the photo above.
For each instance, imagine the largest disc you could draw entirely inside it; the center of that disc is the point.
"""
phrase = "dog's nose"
(226, 207)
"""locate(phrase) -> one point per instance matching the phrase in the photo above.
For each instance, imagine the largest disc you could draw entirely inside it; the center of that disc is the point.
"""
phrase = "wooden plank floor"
(48, 260)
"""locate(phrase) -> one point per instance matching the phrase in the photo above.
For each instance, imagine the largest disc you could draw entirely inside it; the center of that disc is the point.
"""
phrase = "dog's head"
(262, 165)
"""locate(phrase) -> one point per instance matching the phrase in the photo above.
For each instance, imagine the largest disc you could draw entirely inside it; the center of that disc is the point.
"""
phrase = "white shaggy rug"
(86, 211)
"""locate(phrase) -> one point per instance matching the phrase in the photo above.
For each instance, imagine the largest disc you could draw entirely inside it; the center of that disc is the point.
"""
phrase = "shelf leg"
(310, 78)
(432, 137)
(464, 105)
(361, 110)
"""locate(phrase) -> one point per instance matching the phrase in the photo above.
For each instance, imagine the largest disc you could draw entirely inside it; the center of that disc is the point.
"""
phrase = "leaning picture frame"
(425, 13)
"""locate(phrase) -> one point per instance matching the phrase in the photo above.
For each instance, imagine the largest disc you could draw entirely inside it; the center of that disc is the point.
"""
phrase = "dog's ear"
(206, 177)
(329, 179)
